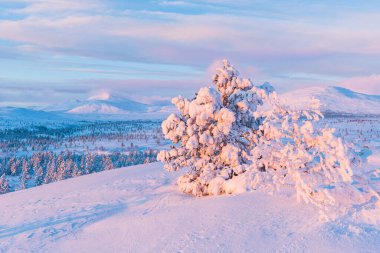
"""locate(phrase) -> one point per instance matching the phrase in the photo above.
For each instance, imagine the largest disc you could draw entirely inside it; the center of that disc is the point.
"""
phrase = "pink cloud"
(342, 45)
(57, 6)
(243, 35)
(47, 32)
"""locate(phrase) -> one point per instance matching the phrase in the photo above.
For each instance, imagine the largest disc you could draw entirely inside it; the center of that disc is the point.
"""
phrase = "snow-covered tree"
(214, 132)
(107, 163)
(38, 169)
(4, 184)
(13, 166)
(61, 168)
(89, 163)
(68, 167)
(25, 174)
(293, 151)
(239, 137)
(50, 172)
(76, 171)
(82, 165)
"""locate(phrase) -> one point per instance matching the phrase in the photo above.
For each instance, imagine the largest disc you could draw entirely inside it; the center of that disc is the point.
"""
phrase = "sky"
(53, 51)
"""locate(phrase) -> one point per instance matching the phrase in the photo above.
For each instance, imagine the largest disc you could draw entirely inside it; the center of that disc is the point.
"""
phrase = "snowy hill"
(102, 104)
(61, 107)
(109, 107)
(138, 209)
(334, 99)
(14, 113)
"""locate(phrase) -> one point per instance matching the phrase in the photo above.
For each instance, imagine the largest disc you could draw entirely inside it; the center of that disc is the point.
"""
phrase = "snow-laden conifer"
(51, 172)
(4, 184)
(107, 163)
(25, 174)
(213, 133)
(238, 137)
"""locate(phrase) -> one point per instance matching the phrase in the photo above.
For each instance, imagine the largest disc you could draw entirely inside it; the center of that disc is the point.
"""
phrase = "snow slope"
(334, 99)
(138, 209)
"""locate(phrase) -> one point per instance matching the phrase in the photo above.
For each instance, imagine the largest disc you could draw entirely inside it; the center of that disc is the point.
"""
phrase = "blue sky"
(57, 50)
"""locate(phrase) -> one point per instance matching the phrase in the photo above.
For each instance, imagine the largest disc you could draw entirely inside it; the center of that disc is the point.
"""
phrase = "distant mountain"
(61, 107)
(104, 106)
(108, 105)
(334, 100)
(14, 113)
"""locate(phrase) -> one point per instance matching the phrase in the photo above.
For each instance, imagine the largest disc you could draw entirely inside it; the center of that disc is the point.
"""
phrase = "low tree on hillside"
(238, 137)
(25, 174)
(107, 163)
(4, 184)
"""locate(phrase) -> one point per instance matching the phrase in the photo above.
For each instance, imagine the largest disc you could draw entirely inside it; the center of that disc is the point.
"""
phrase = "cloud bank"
(65, 43)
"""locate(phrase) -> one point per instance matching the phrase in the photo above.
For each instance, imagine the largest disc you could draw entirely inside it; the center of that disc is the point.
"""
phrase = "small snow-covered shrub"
(238, 137)
(291, 151)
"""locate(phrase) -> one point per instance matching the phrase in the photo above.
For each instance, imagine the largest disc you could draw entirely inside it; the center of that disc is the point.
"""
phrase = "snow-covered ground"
(138, 209)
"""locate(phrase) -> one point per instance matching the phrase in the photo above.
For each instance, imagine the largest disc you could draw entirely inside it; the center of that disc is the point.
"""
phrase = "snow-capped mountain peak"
(100, 96)
(105, 103)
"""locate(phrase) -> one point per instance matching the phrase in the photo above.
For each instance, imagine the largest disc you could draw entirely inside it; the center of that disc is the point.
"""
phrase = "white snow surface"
(139, 209)
(334, 99)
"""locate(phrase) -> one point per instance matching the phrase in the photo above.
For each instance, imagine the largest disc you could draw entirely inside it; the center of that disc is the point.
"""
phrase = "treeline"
(47, 167)
(37, 138)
